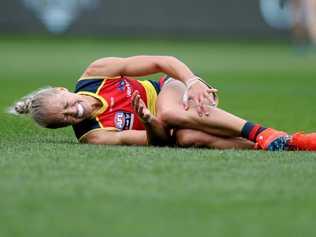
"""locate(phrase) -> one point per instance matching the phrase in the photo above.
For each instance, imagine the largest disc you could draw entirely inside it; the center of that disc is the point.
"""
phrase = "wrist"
(191, 81)
(148, 120)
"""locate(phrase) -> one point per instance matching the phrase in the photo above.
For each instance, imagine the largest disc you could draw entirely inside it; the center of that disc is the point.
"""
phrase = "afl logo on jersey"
(123, 120)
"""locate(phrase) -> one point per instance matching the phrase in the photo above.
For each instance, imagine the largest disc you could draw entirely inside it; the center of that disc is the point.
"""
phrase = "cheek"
(75, 99)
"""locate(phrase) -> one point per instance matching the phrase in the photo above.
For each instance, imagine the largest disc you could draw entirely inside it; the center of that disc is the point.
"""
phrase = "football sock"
(250, 131)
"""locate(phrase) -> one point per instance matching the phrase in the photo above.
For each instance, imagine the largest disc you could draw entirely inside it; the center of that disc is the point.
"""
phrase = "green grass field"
(52, 186)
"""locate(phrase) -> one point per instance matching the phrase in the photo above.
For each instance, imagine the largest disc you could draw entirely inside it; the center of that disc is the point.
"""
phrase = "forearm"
(140, 66)
(158, 64)
(133, 137)
(126, 137)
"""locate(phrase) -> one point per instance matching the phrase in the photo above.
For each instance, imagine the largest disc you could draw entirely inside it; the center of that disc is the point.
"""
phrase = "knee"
(171, 117)
(185, 138)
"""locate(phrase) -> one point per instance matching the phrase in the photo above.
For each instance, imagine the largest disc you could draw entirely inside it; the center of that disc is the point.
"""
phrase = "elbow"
(90, 139)
(172, 60)
(104, 62)
(101, 65)
(92, 69)
(97, 138)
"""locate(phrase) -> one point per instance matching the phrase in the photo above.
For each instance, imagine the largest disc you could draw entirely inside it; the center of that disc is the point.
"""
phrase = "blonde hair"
(36, 104)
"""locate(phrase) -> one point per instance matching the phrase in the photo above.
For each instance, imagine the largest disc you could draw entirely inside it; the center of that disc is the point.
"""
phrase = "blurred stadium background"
(162, 19)
(52, 186)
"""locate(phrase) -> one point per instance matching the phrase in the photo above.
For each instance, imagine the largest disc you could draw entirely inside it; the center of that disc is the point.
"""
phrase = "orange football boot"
(303, 142)
(273, 140)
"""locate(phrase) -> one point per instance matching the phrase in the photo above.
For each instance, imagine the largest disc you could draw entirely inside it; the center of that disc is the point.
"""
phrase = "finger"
(134, 96)
(141, 108)
(138, 105)
(141, 111)
(207, 103)
(141, 102)
(203, 105)
(198, 106)
(212, 90)
(134, 102)
(135, 93)
(186, 101)
(209, 98)
(213, 98)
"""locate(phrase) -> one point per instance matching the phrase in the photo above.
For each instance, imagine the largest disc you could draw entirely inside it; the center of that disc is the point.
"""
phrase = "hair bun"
(23, 107)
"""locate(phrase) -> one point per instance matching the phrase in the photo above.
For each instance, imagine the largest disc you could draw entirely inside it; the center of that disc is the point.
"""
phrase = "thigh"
(170, 110)
(171, 96)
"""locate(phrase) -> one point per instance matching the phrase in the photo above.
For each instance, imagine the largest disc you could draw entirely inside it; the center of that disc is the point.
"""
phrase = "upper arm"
(103, 67)
(131, 66)
(126, 137)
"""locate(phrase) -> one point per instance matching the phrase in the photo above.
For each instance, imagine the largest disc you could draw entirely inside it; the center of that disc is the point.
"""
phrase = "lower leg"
(194, 138)
(223, 124)
(218, 123)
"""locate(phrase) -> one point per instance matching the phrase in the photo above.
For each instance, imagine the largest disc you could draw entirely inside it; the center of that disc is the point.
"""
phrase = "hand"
(140, 108)
(202, 97)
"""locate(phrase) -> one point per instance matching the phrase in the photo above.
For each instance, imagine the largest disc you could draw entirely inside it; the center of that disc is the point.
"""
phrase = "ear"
(61, 88)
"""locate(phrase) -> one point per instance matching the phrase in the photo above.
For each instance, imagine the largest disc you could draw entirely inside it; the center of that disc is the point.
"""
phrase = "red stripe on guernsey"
(120, 114)
(253, 132)
(162, 81)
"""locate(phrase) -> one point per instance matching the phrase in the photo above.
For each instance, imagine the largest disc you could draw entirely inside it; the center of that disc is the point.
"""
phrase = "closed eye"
(66, 105)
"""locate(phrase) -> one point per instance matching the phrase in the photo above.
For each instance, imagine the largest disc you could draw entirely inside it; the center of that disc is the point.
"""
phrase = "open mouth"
(80, 111)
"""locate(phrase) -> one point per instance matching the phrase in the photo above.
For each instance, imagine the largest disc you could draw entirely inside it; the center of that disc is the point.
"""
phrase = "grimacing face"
(66, 108)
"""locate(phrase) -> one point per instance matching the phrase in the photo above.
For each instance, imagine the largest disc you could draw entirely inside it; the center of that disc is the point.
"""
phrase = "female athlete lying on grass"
(110, 107)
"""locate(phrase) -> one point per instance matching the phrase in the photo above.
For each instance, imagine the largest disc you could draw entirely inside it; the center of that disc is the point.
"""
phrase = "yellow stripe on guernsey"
(104, 103)
(98, 77)
(151, 95)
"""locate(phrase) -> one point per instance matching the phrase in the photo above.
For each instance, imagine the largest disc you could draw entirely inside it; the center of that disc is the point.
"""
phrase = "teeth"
(80, 110)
